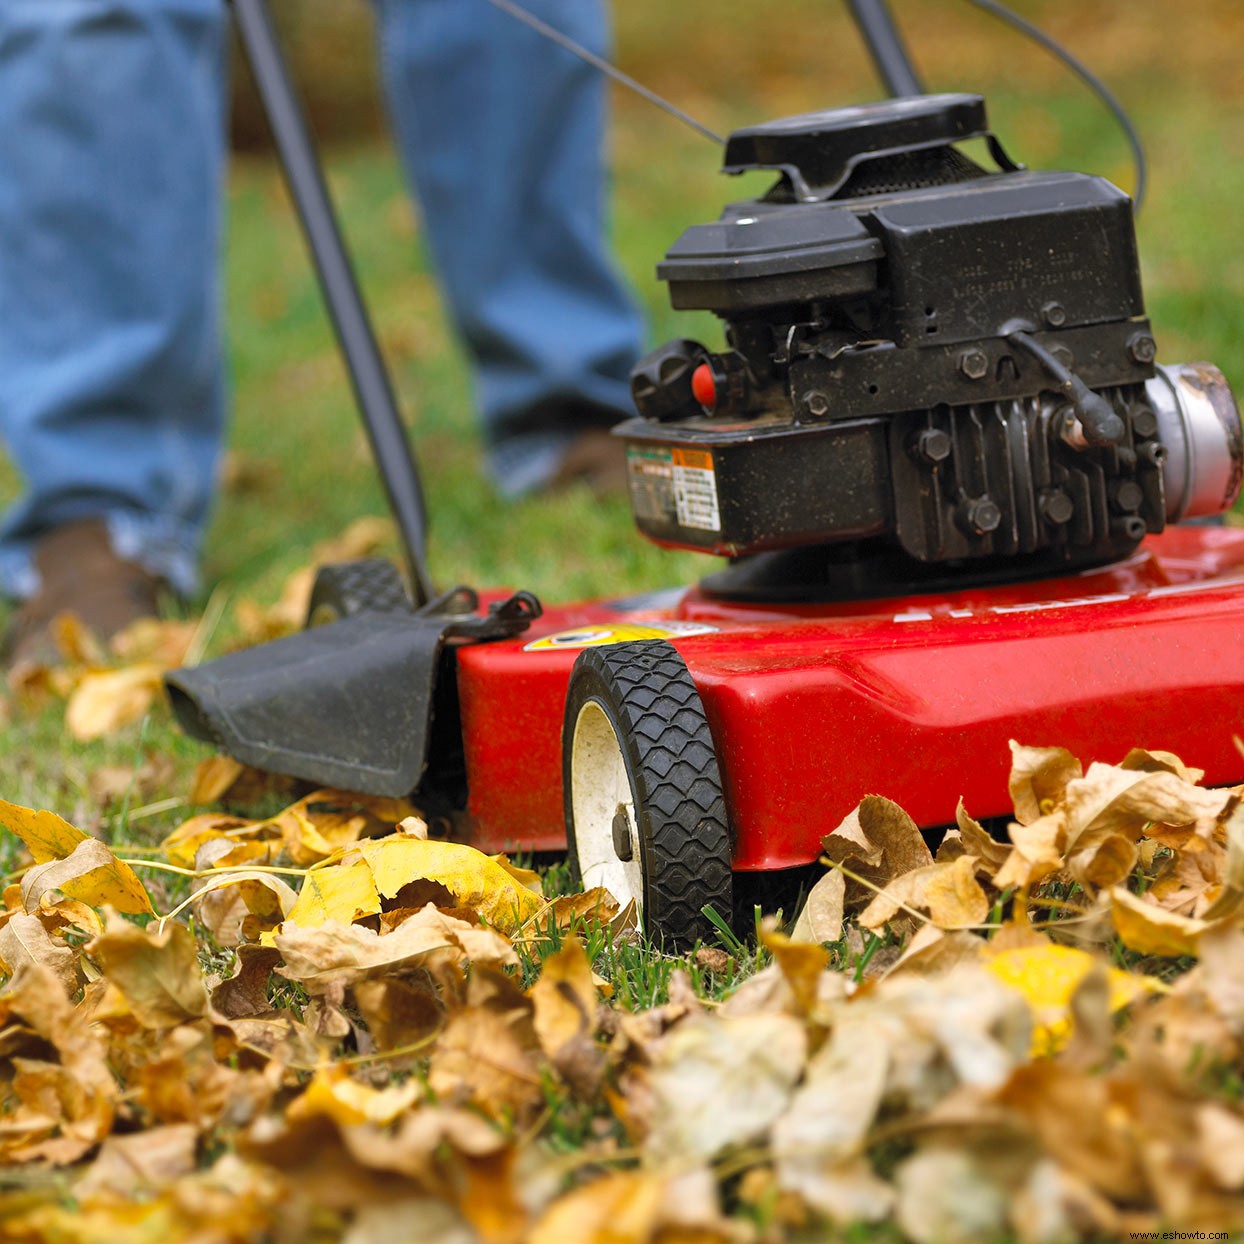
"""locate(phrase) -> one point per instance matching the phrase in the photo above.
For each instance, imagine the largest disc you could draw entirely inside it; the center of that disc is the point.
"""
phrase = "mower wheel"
(368, 585)
(645, 815)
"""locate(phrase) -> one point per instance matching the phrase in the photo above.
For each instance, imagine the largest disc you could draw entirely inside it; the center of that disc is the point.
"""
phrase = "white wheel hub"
(600, 789)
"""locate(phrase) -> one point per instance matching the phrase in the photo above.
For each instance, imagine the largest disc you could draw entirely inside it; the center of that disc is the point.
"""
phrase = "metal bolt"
(1128, 496)
(816, 404)
(982, 516)
(973, 364)
(1144, 422)
(1055, 314)
(623, 846)
(932, 445)
(1064, 356)
(1057, 508)
(1142, 348)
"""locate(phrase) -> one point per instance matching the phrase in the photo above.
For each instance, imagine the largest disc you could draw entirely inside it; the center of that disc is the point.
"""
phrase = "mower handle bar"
(369, 378)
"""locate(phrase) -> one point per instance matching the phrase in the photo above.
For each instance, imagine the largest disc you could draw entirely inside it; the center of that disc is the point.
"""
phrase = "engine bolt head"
(932, 445)
(982, 516)
(1128, 496)
(1142, 348)
(973, 364)
(1057, 508)
(1055, 314)
(816, 404)
(1144, 422)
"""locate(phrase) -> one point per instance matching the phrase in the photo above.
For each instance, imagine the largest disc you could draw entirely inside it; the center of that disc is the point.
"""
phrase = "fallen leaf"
(24, 940)
(475, 881)
(105, 700)
(564, 1017)
(348, 1102)
(337, 893)
(91, 874)
(334, 952)
(821, 917)
(721, 1082)
(1048, 977)
(1039, 778)
(157, 971)
(1151, 930)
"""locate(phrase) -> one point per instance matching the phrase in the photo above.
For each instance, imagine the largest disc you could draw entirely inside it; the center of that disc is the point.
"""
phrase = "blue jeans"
(112, 401)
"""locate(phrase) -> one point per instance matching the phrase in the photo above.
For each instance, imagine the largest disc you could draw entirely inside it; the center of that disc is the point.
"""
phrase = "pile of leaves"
(343, 1028)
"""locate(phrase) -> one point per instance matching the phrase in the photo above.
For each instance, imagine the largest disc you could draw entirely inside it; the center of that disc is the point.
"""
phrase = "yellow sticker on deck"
(596, 636)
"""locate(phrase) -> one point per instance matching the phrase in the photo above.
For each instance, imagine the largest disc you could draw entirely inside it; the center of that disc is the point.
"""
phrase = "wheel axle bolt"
(623, 846)
(973, 364)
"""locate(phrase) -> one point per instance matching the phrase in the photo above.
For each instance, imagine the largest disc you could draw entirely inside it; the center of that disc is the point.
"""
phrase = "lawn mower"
(948, 473)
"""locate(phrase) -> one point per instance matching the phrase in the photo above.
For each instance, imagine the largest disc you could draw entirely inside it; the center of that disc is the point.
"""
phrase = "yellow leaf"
(91, 874)
(1152, 930)
(1048, 977)
(475, 881)
(106, 700)
(341, 892)
(182, 845)
(46, 835)
(334, 1094)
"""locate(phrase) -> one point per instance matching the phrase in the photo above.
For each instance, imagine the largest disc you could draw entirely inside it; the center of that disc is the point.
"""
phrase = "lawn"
(298, 474)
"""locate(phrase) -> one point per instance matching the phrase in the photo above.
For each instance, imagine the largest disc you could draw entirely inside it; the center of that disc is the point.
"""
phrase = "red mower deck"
(915, 698)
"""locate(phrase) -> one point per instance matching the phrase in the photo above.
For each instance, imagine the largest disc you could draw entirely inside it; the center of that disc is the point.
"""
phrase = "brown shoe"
(79, 573)
(596, 458)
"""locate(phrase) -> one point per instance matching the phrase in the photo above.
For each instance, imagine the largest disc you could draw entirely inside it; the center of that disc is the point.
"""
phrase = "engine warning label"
(695, 489)
(650, 477)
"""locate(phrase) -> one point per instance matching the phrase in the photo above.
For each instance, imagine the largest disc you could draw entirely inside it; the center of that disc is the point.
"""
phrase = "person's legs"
(502, 133)
(111, 153)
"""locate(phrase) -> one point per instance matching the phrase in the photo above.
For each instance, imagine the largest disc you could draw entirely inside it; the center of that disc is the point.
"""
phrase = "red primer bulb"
(704, 386)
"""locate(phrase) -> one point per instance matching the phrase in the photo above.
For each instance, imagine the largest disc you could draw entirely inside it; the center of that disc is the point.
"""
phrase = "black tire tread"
(674, 766)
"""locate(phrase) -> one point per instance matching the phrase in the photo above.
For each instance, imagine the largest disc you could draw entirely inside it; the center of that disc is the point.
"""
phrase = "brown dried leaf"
(345, 953)
(801, 963)
(141, 1163)
(881, 842)
(156, 970)
(722, 1081)
(239, 905)
(24, 940)
(400, 1014)
(821, 917)
(564, 1017)
(818, 1141)
(245, 993)
(1039, 778)
(1037, 851)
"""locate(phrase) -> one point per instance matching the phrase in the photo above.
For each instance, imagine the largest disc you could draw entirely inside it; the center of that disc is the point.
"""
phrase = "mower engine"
(928, 362)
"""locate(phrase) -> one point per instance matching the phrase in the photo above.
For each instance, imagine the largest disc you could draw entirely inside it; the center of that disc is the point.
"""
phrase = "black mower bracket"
(349, 704)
